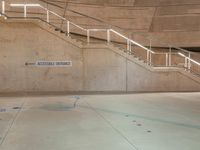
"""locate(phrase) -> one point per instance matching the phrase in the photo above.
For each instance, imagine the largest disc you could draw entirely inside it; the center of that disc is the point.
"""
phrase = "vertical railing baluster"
(25, 11)
(150, 59)
(170, 56)
(108, 36)
(68, 29)
(166, 58)
(147, 57)
(48, 16)
(150, 47)
(189, 61)
(3, 8)
(186, 66)
(88, 36)
(128, 45)
(150, 44)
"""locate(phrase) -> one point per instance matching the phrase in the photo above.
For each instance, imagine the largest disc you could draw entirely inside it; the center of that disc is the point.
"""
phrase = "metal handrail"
(64, 19)
(150, 39)
(188, 58)
(149, 51)
(2, 8)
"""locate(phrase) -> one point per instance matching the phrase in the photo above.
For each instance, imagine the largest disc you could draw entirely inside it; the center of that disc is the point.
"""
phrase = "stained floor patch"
(16, 108)
(57, 107)
(2, 109)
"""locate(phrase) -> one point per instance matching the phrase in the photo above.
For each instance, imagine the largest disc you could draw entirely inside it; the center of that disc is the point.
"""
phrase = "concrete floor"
(159, 121)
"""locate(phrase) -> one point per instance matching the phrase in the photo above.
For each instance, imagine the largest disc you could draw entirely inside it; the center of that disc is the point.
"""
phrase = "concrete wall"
(175, 22)
(104, 70)
(21, 43)
(94, 69)
(170, 21)
(113, 72)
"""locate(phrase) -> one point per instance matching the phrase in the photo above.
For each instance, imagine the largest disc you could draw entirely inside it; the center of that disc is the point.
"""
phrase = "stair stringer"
(48, 28)
(83, 46)
(141, 62)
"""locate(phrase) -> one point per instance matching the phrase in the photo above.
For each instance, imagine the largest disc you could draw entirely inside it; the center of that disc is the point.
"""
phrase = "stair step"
(114, 46)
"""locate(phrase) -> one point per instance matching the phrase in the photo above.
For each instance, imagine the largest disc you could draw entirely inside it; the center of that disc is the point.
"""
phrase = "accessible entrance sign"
(53, 63)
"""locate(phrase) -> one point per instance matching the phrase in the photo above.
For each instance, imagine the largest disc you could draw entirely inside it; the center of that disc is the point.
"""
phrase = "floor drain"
(139, 125)
(148, 131)
(134, 120)
(16, 107)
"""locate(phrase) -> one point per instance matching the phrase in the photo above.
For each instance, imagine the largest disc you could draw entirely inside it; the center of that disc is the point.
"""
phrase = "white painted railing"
(129, 41)
(186, 55)
(2, 7)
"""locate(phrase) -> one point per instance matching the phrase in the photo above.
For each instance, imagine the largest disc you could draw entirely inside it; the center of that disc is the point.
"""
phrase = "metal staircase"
(171, 58)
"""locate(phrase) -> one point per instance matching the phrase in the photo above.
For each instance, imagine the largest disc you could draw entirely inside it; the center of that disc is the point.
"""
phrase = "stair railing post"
(88, 36)
(25, 11)
(166, 58)
(48, 16)
(150, 44)
(108, 36)
(128, 45)
(150, 55)
(189, 61)
(186, 64)
(68, 29)
(130, 48)
(3, 7)
(150, 47)
(170, 56)
(147, 57)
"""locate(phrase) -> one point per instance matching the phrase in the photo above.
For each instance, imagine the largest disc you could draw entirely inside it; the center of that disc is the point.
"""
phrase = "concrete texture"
(112, 72)
(95, 67)
(26, 44)
(169, 21)
(159, 121)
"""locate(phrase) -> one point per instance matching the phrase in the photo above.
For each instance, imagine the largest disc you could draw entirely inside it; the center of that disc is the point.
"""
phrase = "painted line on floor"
(12, 123)
(135, 147)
